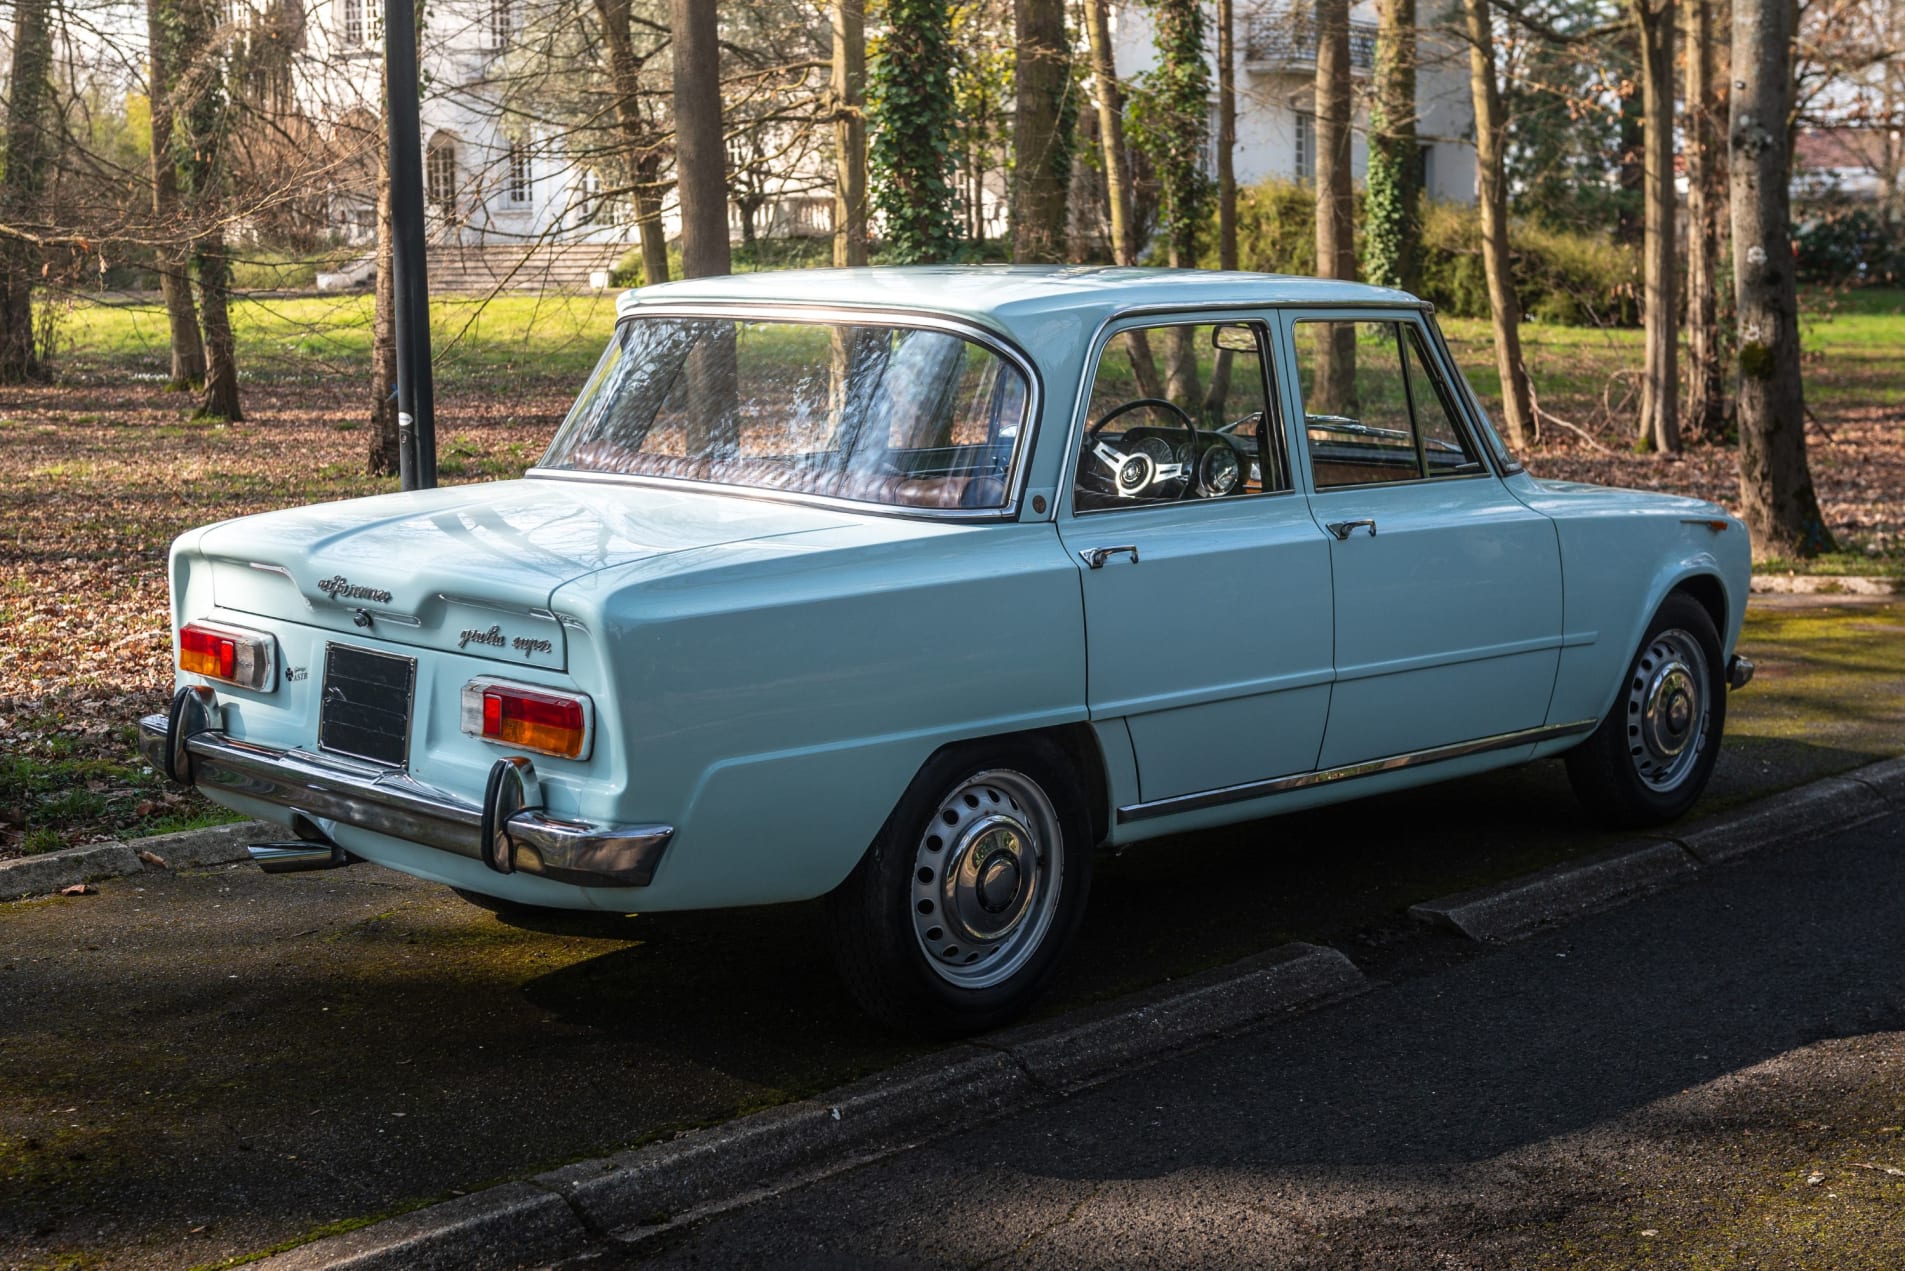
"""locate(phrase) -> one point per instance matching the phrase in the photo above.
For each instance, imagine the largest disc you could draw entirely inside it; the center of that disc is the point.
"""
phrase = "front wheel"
(1650, 758)
(958, 915)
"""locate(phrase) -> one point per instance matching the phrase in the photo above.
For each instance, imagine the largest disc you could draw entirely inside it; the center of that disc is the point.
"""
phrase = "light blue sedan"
(914, 588)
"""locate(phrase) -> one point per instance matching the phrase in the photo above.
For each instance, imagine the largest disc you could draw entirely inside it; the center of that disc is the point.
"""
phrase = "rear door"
(1447, 590)
(1205, 579)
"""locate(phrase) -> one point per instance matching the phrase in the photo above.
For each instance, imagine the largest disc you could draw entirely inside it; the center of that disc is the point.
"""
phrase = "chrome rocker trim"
(1201, 799)
(394, 803)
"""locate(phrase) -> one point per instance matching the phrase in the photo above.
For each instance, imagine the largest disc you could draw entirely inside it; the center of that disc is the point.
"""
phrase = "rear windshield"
(876, 413)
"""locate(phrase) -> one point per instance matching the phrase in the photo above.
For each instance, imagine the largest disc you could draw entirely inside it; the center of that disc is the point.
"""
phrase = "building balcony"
(1281, 38)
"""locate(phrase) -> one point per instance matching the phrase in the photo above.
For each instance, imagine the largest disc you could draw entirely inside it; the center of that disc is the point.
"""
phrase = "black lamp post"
(416, 398)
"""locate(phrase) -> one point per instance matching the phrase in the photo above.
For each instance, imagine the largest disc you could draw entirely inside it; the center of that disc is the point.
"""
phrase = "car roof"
(1012, 297)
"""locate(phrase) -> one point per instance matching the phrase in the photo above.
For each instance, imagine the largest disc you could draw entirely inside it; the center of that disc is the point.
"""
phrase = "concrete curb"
(1519, 907)
(50, 871)
(619, 1196)
(1824, 585)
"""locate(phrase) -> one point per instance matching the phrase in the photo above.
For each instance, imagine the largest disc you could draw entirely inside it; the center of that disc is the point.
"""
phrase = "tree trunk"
(21, 185)
(1660, 377)
(1632, 170)
(208, 116)
(1041, 169)
(1226, 137)
(384, 458)
(1492, 189)
(1392, 231)
(1335, 207)
(849, 133)
(1706, 198)
(212, 263)
(912, 133)
(1104, 73)
(639, 143)
(1776, 493)
(701, 178)
(172, 254)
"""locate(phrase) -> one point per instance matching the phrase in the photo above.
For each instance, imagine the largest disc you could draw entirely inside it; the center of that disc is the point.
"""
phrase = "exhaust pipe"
(297, 856)
(312, 850)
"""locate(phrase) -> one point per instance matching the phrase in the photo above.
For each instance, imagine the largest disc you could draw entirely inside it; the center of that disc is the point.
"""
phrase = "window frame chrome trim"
(815, 314)
(1199, 800)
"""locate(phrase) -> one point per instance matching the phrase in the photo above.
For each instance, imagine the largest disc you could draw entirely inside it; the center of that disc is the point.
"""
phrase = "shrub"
(1839, 242)
(1560, 276)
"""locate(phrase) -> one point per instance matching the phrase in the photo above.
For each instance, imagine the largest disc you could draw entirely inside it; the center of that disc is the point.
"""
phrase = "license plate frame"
(356, 706)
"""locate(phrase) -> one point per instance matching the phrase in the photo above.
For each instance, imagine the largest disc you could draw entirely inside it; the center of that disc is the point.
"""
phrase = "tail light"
(526, 718)
(231, 654)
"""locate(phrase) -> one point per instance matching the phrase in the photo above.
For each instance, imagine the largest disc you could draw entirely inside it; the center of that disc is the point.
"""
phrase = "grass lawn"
(102, 468)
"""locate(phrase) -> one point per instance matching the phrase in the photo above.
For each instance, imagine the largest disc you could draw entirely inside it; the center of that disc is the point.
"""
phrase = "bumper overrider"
(509, 832)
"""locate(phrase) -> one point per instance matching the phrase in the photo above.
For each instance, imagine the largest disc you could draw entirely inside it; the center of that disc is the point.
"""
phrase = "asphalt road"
(1713, 1076)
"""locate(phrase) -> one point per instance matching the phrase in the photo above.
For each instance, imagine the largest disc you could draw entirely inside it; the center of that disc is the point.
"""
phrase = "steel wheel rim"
(987, 872)
(1668, 706)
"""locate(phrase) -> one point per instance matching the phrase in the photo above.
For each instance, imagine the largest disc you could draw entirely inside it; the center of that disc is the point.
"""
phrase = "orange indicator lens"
(535, 721)
(205, 652)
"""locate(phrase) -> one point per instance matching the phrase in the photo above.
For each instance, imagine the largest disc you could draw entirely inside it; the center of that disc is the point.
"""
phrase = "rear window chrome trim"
(744, 311)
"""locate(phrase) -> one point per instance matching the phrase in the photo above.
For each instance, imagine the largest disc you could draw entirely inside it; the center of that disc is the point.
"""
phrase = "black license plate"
(365, 711)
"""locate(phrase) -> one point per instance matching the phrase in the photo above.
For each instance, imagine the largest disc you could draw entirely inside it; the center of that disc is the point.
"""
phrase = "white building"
(1276, 92)
(492, 175)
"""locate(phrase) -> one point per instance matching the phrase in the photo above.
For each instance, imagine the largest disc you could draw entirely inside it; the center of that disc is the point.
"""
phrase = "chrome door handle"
(1097, 556)
(1343, 529)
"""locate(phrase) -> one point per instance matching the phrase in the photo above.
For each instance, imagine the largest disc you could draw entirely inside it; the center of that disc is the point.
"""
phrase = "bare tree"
(1226, 139)
(1041, 171)
(1335, 238)
(163, 30)
(849, 132)
(1392, 230)
(208, 117)
(700, 149)
(1776, 492)
(1124, 247)
(642, 141)
(1706, 204)
(29, 124)
(385, 458)
(1660, 379)
(1492, 190)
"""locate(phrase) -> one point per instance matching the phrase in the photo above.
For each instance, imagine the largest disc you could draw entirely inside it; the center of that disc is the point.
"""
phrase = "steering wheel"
(1132, 474)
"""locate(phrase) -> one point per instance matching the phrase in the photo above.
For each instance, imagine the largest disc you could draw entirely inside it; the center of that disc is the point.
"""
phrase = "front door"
(1206, 581)
(1447, 589)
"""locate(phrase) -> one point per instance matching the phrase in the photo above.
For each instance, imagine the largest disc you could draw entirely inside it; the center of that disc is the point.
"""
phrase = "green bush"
(1560, 276)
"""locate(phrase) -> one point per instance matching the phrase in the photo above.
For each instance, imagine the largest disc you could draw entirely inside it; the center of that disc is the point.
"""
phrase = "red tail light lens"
(231, 654)
(527, 718)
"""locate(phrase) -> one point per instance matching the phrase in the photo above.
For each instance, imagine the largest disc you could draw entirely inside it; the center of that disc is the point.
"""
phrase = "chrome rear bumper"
(189, 746)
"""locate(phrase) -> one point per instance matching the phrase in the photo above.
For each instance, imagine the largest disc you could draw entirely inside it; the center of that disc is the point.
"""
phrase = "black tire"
(1623, 774)
(1018, 834)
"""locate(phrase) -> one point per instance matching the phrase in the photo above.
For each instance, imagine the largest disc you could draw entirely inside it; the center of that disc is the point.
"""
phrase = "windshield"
(877, 413)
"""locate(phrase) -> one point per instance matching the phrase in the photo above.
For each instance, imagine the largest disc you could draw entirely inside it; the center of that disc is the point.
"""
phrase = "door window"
(1371, 411)
(1179, 412)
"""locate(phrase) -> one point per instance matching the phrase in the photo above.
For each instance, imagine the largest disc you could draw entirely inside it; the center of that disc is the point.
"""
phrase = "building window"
(353, 22)
(439, 174)
(1305, 165)
(502, 23)
(518, 187)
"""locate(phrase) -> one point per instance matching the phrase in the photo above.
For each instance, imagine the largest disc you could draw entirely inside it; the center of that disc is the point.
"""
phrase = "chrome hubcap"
(1667, 709)
(986, 877)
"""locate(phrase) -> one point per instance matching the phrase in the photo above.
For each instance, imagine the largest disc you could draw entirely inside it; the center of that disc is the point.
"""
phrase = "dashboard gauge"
(1158, 448)
(1220, 472)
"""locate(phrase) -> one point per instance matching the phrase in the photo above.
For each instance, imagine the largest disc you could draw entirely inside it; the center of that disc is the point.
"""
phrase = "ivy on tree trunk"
(1392, 202)
(910, 122)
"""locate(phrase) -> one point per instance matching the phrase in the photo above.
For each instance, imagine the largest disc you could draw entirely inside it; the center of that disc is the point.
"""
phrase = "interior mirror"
(1236, 337)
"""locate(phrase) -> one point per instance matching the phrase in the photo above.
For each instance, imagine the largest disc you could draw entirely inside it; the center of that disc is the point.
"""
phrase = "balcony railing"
(1283, 37)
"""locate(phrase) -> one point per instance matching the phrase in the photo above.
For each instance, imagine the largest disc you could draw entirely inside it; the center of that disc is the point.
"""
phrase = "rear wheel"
(956, 918)
(1652, 755)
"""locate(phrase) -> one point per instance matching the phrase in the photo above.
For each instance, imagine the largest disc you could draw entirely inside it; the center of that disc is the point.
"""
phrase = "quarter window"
(1178, 412)
(1371, 411)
